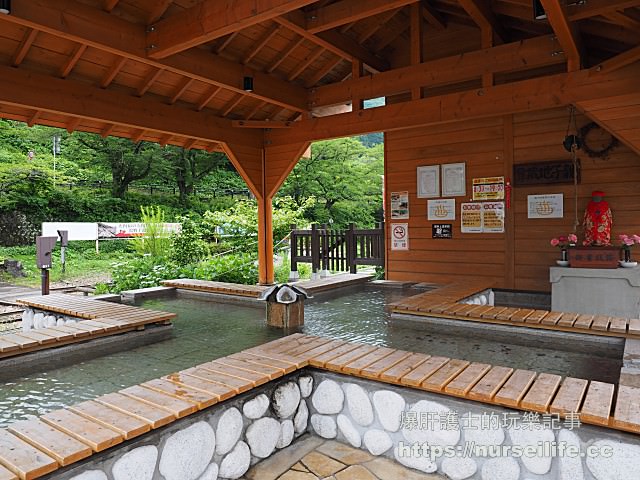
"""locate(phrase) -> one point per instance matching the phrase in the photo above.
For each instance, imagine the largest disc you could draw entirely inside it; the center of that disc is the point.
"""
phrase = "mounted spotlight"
(247, 84)
(5, 6)
(538, 11)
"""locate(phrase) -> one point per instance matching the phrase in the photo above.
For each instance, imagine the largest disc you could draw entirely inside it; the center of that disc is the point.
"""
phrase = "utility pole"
(56, 151)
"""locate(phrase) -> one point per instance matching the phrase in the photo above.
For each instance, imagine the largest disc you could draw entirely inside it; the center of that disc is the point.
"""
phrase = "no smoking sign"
(399, 236)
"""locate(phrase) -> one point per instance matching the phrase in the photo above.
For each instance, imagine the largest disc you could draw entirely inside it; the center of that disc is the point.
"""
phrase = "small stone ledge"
(131, 296)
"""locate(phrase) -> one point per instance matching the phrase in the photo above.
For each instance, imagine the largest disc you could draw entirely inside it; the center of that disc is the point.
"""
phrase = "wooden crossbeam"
(225, 41)
(138, 136)
(348, 11)
(108, 5)
(213, 91)
(31, 121)
(107, 130)
(20, 54)
(381, 20)
(593, 8)
(312, 57)
(283, 54)
(188, 145)
(159, 8)
(323, 71)
(73, 60)
(272, 32)
(619, 61)
(186, 83)
(148, 81)
(567, 34)
(260, 124)
(233, 103)
(432, 16)
(254, 110)
(164, 140)
(211, 19)
(112, 72)
(481, 13)
(72, 125)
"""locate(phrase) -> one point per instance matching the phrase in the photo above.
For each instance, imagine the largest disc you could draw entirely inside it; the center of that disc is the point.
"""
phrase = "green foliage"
(282, 271)
(143, 272)
(233, 268)
(188, 246)
(155, 241)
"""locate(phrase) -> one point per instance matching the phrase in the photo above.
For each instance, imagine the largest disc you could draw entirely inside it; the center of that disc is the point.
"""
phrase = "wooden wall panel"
(521, 257)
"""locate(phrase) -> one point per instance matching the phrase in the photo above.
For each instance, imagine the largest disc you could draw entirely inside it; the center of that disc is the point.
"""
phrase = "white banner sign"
(100, 231)
(77, 230)
(546, 206)
(444, 209)
(399, 236)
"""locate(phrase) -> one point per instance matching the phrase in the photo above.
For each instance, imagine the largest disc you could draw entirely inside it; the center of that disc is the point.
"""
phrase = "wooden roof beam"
(188, 145)
(224, 43)
(481, 13)
(312, 57)
(211, 19)
(254, 110)
(261, 124)
(77, 22)
(377, 25)
(516, 56)
(348, 11)
(619, 61)
(186, 83)
(148, 81)
(261, 43)
(107, 130)
(323, 72)
(73, 124)
(593, 8)
(37, 91)
(159, 8)
(112, 72)
(233, 103)
(165, 139)
(31, 121)
(212, 92)
(567, 34)
(108, 5)
(138, 135)
(282, 55)
(620, 18)
(73, 60)
(432, 16)
(20, 54)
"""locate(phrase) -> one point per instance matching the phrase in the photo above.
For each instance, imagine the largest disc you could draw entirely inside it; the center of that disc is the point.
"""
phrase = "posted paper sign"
(488, 188)
(546, 206)
(441, 209)
(471, 217)
(399, 205)
(493, 217)
(399, 236)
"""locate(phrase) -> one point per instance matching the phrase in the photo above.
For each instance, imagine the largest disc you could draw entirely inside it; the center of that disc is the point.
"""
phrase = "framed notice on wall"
(453, 180)
(545, 206)
(441, 209)
(399, 236)
(428, 181)
(399, 205)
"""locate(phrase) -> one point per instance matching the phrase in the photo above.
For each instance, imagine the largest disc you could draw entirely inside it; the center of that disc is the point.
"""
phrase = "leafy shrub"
(16, 229)
(155, 241)
(143, 272)
(188, 246)
(232, 268)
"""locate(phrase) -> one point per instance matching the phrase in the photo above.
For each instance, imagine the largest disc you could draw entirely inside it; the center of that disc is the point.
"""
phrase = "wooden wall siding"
(521, 257)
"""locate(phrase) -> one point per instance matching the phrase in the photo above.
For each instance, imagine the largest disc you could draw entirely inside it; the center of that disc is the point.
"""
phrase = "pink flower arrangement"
(629, 241)
(564, 242)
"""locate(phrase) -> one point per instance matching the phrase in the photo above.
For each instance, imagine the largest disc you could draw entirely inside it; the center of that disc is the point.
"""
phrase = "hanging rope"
(575, 146)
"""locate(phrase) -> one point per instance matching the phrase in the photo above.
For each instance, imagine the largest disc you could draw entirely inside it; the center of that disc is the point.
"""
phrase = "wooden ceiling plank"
(260, 124)
(347, 27)
(109, 5)
(158, 11)
(593, 8)
(323, 72)
(77, 22)
(186, 83)
(225, 42)
(620, 18)
(377, 25)
(164, 140)
(282, 55)
(566, 33)
(388, 36)
(433, 17)
(312, 57)
(261, 43)
(212, 92)
(211, 19)
(233, 103)
(482, 14)
(112, 72)
(73, 124)
(188, 145)
(516, 56)
(138, 135)
(347, 11)
(20, 54)
(619, 61)
(107, 130)
(38, 91)
(254, 110)
(34, 118)
(73, 60)
(148, 81)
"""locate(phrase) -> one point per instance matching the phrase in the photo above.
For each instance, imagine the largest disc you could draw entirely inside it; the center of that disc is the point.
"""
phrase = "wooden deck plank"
(377, 368)
(23, 342)
(355, 367)
(618, 325)
(598, 401)
(551, 318)
(584, 321)
(445, 374)
(338, 363)
(515, 388)
(419, 374)
(238, 385)
(126, 425)
(493, 312)
(569, 396)
(154, 416)
(271, 372)
(463, 383)
(7, 474)
(507, 313)
(286, 367)
(489, 385)
(223, 392)
(200, 398)
(539, 396)
(634, 326)
(537, 316)
(242, 376)
(600, 322)
(325, 347)
(479, 311)
(97, 436)
(23, 459)
(321, 359)
(177, 407)
(301, 350)
(38, 336)
(568, 319)
(521, 315)
(6, 346)
(400, 369)
(58, 445)
(627, 411)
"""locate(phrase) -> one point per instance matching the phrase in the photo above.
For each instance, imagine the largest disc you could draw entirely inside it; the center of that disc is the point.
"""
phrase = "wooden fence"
(336, 250)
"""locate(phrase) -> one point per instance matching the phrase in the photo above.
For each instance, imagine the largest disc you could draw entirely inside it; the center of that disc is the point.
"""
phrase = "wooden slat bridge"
(445, 302)
(33, 448)
(101, 319)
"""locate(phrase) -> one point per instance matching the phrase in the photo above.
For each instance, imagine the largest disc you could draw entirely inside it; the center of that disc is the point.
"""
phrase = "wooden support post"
(315, 251)
(351, 248)
(416, 43)
(487, 42)
(509, 221)
(265, 240)
(357, 69)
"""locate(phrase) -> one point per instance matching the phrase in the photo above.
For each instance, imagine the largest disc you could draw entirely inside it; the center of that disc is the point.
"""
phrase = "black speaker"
(247, 84)
(538, 11)
(5, 6)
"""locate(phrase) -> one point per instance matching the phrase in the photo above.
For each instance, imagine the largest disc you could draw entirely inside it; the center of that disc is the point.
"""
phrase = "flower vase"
(627, 255)
(627, 262)
(564, 258)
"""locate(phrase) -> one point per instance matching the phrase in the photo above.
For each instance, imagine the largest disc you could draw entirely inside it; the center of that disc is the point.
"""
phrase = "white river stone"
(38, 320)
(138, 464)
(286, 398)
(389, 407)
(328, 397)
(228, 431)
(377, 441)
(570, 467)
(211, 473)
(262, 436)
(622, 465)
(350, 432)
(286, 434)
(301, 419)
(359, 404)
(528, 438)
(411, 460)
(256, 407)
(306, 385)
(457, 468)
(187, 452)
(236, 463)
(90, 475)
(436, 431)
(501, 468)
(487, 434)
(60, 322)
(324, 425)
(50, 321)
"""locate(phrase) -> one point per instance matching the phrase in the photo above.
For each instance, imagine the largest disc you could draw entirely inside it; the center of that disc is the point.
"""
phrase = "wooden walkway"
(33, 448)
(102, 319)
(445, 302)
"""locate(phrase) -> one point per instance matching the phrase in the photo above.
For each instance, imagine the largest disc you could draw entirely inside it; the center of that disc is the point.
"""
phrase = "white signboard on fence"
(102, 231)
(77, 230)
(399, 236)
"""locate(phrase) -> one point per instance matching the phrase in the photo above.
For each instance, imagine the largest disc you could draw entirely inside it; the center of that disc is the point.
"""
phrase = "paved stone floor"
(313, 458)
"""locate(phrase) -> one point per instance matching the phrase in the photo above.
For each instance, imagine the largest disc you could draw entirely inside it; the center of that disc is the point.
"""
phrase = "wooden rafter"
(73, 60)
(225, 41)
(108, 5)
(110, 33)
(481, 13)
(254, 110)
(31, 121)
(593, 8)
(323, 72)
(165, 139)
(186, 83)
(138, 135)
(380, 21)
(347, 11)
(619, 61)
(260, 124)
(28, 39)
(47, 93)
(261, 43)
(113, 71)
(72, 125)
(107, 130)
(312, 57)
(432, 16)
(415, 47)
(148, 81)
(567, 34)
(283, 54)
(388, 36)
(211, 19)
(619, 18)
(207, 97)
(159, 8)
(517, 56)
(188, 145)
(233, 103)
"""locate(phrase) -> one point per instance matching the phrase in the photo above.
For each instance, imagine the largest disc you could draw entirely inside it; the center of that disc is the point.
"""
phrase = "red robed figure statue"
(597, 221)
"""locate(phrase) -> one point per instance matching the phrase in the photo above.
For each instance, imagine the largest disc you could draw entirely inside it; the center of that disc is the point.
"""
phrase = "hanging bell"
(570, 141)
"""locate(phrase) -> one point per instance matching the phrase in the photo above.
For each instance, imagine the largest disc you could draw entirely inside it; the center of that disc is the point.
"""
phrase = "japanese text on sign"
(488, 188)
